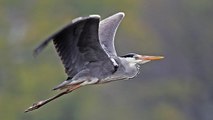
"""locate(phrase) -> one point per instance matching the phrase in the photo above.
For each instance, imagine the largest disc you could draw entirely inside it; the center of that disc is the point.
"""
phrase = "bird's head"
(140, 59)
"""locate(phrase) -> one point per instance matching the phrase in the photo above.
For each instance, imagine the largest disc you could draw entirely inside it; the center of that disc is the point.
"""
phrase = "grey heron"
(86, 48)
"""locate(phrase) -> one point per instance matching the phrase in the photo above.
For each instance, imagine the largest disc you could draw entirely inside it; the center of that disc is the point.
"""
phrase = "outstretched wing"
(107, 31)
(77, 44)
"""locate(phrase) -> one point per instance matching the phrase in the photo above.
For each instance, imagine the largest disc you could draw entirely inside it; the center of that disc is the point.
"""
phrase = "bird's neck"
(129, 68)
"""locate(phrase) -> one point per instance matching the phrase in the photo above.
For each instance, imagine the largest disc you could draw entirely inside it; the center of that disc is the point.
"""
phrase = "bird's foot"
(43, 102)
(35, 106)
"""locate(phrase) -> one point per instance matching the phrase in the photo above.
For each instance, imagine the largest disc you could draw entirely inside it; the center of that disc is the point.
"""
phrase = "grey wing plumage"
(77, 44)
(107, 31)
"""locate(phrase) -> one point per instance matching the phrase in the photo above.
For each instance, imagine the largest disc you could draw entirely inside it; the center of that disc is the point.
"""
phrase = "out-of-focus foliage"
(176, 88)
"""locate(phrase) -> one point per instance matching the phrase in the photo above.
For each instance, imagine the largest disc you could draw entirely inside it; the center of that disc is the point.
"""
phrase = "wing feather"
(77, 44)
(107, 31)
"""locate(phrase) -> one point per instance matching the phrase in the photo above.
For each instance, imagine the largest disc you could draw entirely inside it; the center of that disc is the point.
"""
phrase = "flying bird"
(87, 51)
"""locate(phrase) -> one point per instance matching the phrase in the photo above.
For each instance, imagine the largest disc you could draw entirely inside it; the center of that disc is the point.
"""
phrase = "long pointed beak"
(145, 57)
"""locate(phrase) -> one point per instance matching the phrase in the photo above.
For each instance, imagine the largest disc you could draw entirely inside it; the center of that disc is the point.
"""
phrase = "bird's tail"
(63, 85)
(69, 83)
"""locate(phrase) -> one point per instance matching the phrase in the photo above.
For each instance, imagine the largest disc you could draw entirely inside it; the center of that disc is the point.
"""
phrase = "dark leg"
(43, 102)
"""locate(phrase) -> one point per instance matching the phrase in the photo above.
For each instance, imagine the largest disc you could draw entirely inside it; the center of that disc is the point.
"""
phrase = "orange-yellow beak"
(145, 57)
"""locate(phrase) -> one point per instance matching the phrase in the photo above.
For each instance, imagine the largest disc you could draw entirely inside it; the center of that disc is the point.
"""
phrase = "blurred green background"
(180, 87)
